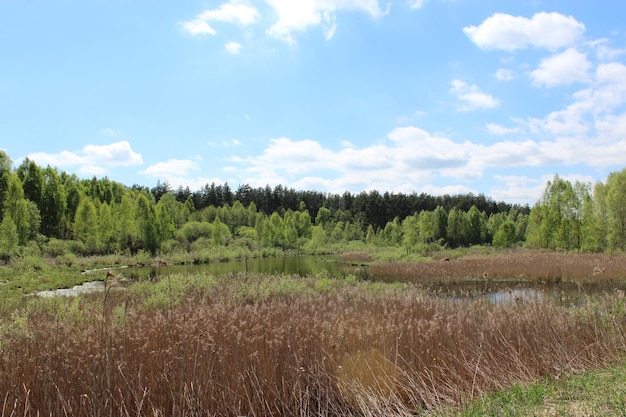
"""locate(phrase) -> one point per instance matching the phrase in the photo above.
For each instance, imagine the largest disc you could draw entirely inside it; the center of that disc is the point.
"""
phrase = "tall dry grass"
(356, 350)
(514, 264)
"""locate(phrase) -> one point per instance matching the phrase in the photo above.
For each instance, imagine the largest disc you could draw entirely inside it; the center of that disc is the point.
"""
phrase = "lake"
(505, 291)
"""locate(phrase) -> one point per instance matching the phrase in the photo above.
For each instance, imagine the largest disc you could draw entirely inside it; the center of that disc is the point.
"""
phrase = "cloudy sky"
(435, 96)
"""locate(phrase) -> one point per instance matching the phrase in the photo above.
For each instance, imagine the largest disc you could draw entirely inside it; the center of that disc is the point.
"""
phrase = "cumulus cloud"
(179, 172)
(164, 169)
(92, 158)
(411, 158)
(471, 96)
(233, 47)
(416, 4)
(503, 74)
(496, 129)
(109, 132)
(298, 16)
(544, 30)
(589, 106)
(234, 11)
(567, 67)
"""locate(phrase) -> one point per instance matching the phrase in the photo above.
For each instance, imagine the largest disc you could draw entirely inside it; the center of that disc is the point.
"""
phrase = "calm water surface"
(491, 291)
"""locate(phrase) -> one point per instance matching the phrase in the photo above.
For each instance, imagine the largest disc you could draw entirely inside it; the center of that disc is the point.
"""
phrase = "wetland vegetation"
(400, 318)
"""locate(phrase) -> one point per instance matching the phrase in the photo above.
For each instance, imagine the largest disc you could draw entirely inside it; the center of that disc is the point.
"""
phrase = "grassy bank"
(600, 392)
(280, 345)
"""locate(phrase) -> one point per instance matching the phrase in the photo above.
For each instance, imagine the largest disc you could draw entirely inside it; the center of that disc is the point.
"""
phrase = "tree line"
(58, 212)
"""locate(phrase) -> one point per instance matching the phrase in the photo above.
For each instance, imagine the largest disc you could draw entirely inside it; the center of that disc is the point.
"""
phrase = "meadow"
(277, 345)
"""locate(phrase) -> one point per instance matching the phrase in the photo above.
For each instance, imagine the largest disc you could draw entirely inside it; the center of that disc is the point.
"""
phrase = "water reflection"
(85, 288)
(510, 292)
(288, 265)
(497, 292)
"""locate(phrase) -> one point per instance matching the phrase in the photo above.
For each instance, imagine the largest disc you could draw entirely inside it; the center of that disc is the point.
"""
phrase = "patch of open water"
(496, 292)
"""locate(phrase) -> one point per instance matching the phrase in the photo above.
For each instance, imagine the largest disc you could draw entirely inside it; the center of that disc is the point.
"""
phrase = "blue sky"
(435, 96)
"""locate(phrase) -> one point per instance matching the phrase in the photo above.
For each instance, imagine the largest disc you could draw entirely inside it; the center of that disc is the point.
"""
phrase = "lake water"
(491, 291)
(288, 265)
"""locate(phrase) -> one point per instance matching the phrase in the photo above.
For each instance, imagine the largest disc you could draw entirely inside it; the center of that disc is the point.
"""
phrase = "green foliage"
(8, 237)
(221, 233)
(99, 216)
(616, 209)
(5, 171)
(145, 218)
(86, 224)
(505, 237)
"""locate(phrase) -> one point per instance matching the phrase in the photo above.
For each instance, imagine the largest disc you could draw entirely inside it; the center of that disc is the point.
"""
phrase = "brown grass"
(515, 264)
(351, 351)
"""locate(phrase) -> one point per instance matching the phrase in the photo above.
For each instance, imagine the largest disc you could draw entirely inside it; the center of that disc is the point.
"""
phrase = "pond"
(516, 291)
(498, 292)
(288, 265)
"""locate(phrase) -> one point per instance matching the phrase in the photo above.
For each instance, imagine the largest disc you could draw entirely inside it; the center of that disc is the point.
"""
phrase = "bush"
(55, 247)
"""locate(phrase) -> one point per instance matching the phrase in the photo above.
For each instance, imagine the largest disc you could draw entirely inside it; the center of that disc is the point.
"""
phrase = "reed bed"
(256, 345)
(511, 265)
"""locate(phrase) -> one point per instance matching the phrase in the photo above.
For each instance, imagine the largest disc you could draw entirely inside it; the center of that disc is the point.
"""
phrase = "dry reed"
(515, 264)
(346, 352)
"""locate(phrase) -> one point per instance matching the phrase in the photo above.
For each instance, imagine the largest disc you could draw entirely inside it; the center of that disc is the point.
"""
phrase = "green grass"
(600, 392)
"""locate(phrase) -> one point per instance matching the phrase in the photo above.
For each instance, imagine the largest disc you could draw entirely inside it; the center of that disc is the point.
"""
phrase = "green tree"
(145, 217)
(505, 237)
(370, 236)
(457, 227)
(392, 233)
(8, 237)
(274, 231)
(32, 181)
(561, 215)
(318, 239)
(426, 227)
(476, 232)
(323, 217)
(5, 171)
(106, 228)
(221, 233)
(126, 232)
(165, 224)
(616, 209)
(336, 235)
(16, 206)
(410, 232)
(291, 230)
(440, 223)
(535, 237)
(53, 206)
(239, 215)
(86, 224)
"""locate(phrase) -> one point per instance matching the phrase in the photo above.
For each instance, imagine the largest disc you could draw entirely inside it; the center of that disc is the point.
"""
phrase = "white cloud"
(109, 132)
(471, 96)
(413, 159)
(519, 189)
(504, 74)
(93, 158)
(180, 167)
(496, 129)
(225, 143)
(590, 106)
(234, 11)
(178, 172)
(233, 47)
(544, 30)
(416, 4)
(564, 68)
(198, 27)
(298, 16)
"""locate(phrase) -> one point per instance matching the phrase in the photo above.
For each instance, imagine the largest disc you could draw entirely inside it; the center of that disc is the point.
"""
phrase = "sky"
(424, 96)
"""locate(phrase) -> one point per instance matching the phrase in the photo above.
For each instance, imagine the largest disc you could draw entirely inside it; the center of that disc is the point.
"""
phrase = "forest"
(45, 210)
